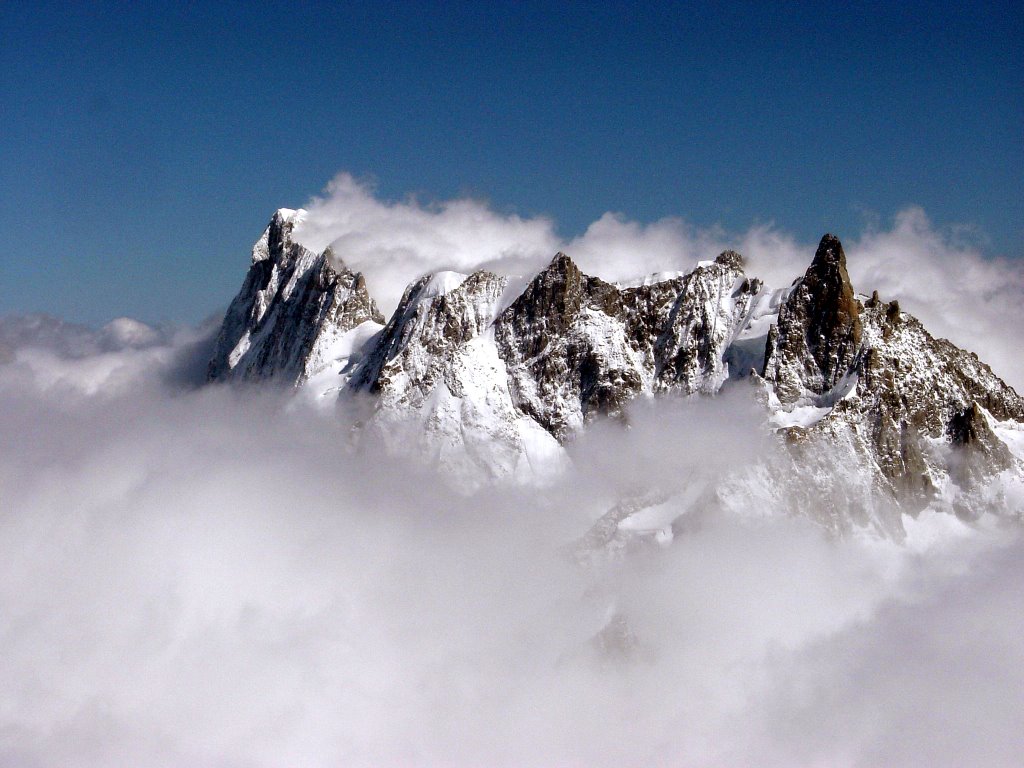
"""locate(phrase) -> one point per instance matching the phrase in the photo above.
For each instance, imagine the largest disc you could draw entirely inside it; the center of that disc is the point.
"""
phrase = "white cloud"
(393, 243)
(929, 682)
(208, 578)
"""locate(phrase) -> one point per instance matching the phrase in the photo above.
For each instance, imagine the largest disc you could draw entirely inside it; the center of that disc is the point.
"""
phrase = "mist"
(211, 576)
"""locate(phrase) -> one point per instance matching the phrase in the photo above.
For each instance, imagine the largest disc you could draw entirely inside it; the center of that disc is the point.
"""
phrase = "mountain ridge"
(492, 387)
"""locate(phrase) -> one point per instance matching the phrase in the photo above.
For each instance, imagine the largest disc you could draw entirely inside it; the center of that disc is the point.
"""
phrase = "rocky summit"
(491, 382)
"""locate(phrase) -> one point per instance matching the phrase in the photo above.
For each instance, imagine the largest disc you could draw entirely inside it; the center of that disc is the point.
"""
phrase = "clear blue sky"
(143, 149)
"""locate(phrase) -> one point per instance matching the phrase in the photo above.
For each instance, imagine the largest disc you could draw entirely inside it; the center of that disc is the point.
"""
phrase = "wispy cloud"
(393, 243)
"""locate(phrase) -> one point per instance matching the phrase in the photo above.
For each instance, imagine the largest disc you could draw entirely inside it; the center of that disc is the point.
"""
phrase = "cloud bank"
(209, 577)
(936, 273)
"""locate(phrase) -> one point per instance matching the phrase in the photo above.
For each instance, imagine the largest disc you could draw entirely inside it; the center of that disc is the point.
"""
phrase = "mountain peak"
(287, 214)
(333, 263)
(292, 305)
(561, 264)
(827, 276)
(276, 240)
(497, 386)
(830, 250)
(731, 259)
(818, 334)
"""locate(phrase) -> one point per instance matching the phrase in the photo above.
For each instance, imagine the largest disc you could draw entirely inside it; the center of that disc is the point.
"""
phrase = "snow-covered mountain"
(490, 380)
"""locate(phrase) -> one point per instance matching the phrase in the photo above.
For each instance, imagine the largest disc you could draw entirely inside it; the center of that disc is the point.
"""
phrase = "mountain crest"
(562, 263)
(830, 251)
(730, 259)
(293, 307)
(276, 242)
(496, 388)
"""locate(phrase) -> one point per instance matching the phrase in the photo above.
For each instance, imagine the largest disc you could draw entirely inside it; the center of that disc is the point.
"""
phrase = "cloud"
(48, 354)
(207, 577)
(211, 577)
(905, 687)
(394, 243)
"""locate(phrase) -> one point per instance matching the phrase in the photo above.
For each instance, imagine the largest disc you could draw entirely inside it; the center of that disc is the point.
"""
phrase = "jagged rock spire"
(557, 373)
(817, 339)
(556, 294)
(730, 259)
(276, 242)
(835, 329)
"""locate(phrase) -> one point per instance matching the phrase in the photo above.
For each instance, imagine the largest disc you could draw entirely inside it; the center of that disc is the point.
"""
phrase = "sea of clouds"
(216, 576)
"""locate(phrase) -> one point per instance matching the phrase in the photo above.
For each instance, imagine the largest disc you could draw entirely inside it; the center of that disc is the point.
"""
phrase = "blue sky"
(143, 148)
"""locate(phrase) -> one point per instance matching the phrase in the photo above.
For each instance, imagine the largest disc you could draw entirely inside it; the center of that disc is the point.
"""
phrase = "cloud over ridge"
(934, 272)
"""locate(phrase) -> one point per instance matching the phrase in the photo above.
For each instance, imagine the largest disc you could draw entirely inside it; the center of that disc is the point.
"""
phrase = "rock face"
(294, 309)
(577, 347)
(490, 382)
(715, 306)
(818, 335)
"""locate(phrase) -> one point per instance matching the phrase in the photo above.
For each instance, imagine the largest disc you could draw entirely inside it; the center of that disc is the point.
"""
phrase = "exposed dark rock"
(818, 334)
(730, 259)
(560, 372)
(577, 347)
(979, 452)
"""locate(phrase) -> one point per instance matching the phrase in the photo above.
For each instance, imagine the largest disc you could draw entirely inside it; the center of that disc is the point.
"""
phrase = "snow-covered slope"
(491, 385)
(443, 387)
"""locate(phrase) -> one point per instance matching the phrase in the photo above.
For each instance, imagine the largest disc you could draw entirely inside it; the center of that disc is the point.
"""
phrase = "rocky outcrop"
(818, 335)
(714, 304)
(884, 386)
(566, 346)
(578, 347)
(981, 453)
